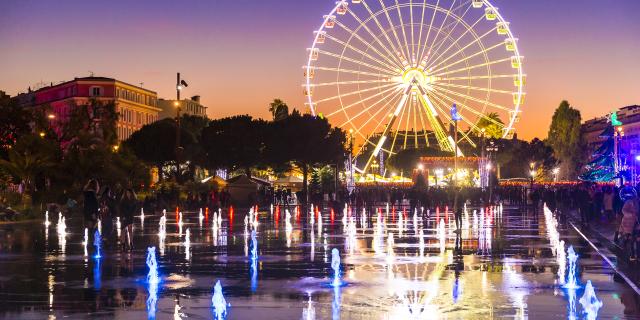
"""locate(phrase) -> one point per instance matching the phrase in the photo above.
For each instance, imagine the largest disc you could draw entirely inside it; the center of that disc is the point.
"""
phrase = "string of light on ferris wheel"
(345, 71)
(474, 88)
(354, 34)
(381, 93)
(443, 107)
(465, 135)
(384, 33)
(395, 34)
(384, 98)
(355, 92)
(485, 64)
(440, 28)
(324, 84)
(364, 64)
(469, 28)
(472, 110)
(347, 45)
(473, 55)
(464, 96)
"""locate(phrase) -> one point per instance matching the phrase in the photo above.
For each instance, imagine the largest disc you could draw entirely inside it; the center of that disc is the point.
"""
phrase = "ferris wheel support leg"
(445, 141)
(387, 128)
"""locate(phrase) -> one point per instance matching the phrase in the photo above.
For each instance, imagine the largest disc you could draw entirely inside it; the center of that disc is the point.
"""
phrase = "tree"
(234, 143)
(16, 122)
(565, 139)
(305, 141)
(155, 143)
(279, 109)
(492, 125)
(95, 119)
(30, 157)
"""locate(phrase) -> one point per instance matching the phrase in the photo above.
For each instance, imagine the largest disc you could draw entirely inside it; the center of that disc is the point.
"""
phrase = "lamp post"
(180, 84)
(555, 171)
(374, 167)
(350, 177)
(455, 117)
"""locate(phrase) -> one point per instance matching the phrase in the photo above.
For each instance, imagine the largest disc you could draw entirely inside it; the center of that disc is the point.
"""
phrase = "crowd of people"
(591, 203)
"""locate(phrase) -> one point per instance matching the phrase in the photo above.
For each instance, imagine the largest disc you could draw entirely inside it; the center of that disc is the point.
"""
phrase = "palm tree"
(492, 125)
(24, 165)
(279, 109)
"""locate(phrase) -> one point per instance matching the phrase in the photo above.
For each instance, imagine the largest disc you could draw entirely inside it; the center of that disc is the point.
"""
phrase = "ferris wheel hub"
(416, 77)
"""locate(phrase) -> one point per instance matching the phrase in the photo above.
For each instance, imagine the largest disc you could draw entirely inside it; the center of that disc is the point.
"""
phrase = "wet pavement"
(503, 264)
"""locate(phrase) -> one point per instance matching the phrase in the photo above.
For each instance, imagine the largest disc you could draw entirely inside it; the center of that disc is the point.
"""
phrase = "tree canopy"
(492, 125)
(565, 139)
(279, 109)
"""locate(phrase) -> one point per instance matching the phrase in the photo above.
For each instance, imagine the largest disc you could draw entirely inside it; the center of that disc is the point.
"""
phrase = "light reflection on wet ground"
(504, 268)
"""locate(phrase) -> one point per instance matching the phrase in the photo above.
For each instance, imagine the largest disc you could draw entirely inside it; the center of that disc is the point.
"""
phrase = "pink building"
(136, 106)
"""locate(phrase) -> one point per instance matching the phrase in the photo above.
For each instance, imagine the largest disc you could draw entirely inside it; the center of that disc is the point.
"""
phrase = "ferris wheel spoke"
(404, 32)
(437, 54)
(406, 126)
(421, 27)
(339, 70)
(347, 45)
(470, 109)
(361, 100)
(473, 88)
(393, 30)
(475, 66)
(396, 133)
(477, 40)
(354, 93)
(355, 34)
(388, 108)
(465, 135)
(436, 123)
(382, 30)
(426, 40)
(493, 76)
(325, 84)
(413, 42)
(440, 28)
(424, 127)
(384, 98)
(342, 57)
(483, 102)
(383, 137)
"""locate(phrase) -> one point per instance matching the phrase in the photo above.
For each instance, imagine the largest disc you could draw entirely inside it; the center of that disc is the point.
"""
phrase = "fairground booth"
(440, 171)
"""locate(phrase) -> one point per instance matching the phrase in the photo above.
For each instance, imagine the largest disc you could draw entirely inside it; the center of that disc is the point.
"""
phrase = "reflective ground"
(502, 265)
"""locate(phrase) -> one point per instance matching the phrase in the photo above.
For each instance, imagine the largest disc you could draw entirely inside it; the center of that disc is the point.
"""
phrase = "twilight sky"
(239, 55)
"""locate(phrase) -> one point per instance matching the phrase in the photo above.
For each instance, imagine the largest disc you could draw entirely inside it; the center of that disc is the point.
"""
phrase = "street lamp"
(375, 166)
(51, 116)
(180, 84)
(555, 171)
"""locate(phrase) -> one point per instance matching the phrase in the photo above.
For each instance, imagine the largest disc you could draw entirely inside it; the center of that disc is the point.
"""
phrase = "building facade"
(187, 106)
(629, 130)
(136, 106)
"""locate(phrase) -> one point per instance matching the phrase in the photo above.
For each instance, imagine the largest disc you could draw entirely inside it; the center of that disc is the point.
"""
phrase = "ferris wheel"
(391, 71)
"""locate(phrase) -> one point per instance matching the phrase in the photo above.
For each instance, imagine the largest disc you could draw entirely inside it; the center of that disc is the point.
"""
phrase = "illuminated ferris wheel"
(389, 71)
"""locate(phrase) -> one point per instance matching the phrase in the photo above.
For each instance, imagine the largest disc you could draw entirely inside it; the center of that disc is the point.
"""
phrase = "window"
(96, 91)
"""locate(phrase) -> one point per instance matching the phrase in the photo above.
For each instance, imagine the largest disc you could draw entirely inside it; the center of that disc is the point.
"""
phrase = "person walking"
(629, 222)
(90, 209)
(128, 207)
